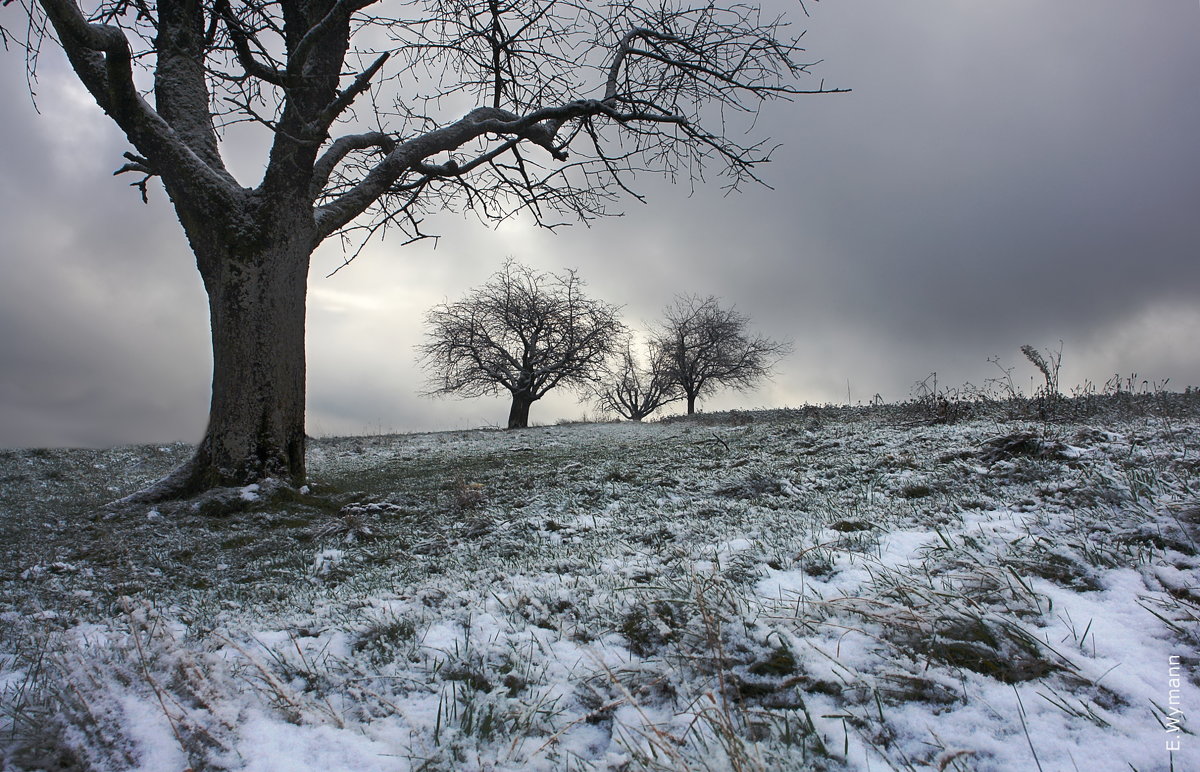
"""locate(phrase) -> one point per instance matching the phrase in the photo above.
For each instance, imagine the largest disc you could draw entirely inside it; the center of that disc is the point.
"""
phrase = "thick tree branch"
(538, 127)
(343, 146)
(181, 94)
(101, 56)
(338, 12)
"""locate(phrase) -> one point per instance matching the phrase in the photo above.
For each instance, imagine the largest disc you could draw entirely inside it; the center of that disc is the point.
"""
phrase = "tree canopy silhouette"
(524, 332)
(706, 347)
(634, 389)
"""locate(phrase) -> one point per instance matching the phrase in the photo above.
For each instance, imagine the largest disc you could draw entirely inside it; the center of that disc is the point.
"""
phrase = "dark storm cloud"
(1008, 174)
(98, 344)
(1001, 174)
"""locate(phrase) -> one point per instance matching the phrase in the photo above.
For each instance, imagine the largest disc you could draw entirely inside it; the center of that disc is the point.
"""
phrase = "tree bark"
(256, 420)
(691, 404)
(256, 298)
(518, 416)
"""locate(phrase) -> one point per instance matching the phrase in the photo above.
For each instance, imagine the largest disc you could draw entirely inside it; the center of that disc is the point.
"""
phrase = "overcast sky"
(1002, 174)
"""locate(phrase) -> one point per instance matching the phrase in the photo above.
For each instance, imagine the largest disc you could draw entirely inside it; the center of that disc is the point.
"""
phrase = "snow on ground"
(808, 589)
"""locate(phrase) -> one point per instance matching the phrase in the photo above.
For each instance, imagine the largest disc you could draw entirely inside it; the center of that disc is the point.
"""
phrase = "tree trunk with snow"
(256, 419)
(256, 298)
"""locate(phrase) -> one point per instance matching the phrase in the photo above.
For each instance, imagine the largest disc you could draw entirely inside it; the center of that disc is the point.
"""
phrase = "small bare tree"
(706, 347)
(634, 391)
(522, 331)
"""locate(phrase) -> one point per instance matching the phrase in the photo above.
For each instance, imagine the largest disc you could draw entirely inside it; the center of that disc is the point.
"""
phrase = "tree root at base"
(190, 489)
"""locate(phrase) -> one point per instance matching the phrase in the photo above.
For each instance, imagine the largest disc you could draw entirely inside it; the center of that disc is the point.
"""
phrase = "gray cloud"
(1002, 174)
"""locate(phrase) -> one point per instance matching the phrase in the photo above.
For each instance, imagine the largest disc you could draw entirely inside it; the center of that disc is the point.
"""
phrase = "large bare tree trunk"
(518, 415)
(691, 404)
(256, 420)
(256, 299)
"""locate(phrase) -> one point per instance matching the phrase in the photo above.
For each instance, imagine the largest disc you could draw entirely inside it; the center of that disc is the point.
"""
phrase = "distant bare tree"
(634, 391)
(706, 347)
(523, 331)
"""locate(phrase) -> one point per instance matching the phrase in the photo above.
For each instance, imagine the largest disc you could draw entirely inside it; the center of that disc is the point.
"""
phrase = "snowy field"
(805, 589)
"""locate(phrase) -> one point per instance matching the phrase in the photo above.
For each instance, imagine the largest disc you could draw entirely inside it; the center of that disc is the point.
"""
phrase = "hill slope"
(820, 589)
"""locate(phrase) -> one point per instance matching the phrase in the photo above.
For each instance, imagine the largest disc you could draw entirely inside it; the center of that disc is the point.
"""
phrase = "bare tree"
(522, 331)
(707, 347)
(376, 115)
(633, 390)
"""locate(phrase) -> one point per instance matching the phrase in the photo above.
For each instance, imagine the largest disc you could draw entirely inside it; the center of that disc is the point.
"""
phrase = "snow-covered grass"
(800, 589)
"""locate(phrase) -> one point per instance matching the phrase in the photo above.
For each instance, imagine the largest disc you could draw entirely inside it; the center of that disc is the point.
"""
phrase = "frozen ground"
(807, 589)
